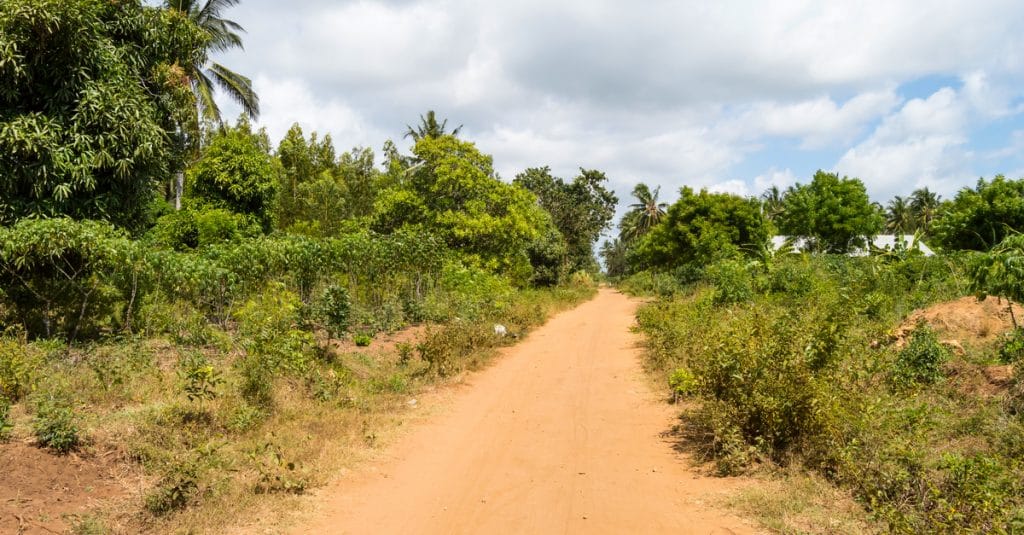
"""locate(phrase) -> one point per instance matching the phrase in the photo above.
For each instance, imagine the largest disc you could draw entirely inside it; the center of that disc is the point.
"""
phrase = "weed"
(199, 378)
(682, 383)
(55, 425)
(1012, 349)
(405, 351)
(6, 425)
(175, 490)
(362, 339)
(276, 474)
(920, 362)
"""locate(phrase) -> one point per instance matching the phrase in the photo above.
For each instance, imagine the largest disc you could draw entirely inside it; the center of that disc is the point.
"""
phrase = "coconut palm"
(771, 202)
(925, 206)
(207, 76)
(429, 127)
(204, 76)
(643, 214)
(899, 216)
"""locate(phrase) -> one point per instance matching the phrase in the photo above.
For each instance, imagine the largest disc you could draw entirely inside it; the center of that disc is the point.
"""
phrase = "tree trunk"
(179, 186)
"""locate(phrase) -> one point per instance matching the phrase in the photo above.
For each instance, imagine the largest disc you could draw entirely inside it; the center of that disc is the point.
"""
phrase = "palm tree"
(429, 127)
(643, 214)
(899, 217)
(925, 206)
(771, 202)
(205, 75)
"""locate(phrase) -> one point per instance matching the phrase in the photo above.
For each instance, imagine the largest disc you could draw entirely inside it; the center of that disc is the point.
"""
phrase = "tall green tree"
(430, 127)
(643, 215)
(236, 172)
(772, 202)
(900, 217)
(303, 163)
(979, 218)
(362, 180)
(205, 76)
(91, 99)
(454, 193)
(701, 228)
(925, 205)
(581, 209)
(834, 214)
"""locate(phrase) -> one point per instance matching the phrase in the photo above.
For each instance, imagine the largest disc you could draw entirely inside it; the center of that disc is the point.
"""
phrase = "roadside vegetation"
(811, 365)
(227, 318)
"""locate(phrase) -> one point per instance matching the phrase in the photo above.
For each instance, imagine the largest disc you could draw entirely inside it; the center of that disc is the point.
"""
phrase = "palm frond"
(237, 87)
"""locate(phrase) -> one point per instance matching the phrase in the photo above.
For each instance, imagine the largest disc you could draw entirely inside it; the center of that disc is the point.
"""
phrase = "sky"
(729, 95)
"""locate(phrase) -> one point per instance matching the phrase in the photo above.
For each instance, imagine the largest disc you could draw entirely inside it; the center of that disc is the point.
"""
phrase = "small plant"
(175, 490)
(920, 363)
(733, 282)
(334, 309)
(362, 339)
(1013, 349)
(5, 419)
(682, 383)
(405, 350)
(257, 386)
(199, 378)
(55, 426)
(276, 473)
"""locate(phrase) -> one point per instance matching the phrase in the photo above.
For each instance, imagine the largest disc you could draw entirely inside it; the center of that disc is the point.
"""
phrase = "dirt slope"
(561, 435)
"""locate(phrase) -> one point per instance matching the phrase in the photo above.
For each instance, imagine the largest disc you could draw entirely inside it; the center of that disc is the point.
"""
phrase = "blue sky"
(732, 95)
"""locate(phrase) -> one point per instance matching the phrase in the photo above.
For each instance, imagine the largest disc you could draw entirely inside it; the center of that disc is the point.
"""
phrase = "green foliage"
(90, 98)
(1012, 349)
(978, 219)
(651, 283)
(175, 491)
(199, 378)
(6, 425)
(834, 214)
(20, 366)
(189, 229)
(701, 228)
(453, 192)
(334, 309)
(277, 474)
(1000, 272)
(920, 362)
(236, 172)
(682, 383)
(732, 280)
(63, 278)
(55, 425)
(362, 339)
(580, 209)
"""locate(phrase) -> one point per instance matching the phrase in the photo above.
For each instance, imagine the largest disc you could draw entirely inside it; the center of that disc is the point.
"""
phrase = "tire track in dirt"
(560, 435)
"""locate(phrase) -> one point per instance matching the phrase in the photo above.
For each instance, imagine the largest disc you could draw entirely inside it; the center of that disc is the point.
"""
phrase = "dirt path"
(561, 435)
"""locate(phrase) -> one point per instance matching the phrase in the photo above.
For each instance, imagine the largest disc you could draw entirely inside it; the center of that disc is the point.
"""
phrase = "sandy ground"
(561, 435)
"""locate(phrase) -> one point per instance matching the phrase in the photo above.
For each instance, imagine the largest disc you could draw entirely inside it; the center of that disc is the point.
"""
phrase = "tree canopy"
(91, 95)
(703, 227)
(979, 218)
(581, 209)
(833, 213)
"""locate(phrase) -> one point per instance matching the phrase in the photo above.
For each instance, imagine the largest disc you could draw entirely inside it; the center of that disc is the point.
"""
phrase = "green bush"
(334, 309)
(732, 280)
(682, 383)
(6, 425)
(1012, 348)
(55, 425)
(651, 283)
(920, 362)
(362, 339)
(20, 366)
(199, 378)
(175, 491)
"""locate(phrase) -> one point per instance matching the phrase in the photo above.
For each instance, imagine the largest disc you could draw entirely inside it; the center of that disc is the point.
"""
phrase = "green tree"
(701, 228)
(581, 209)
(977, 219)
(309, 172)
(643, 215)
(204, 76)
(616, 260)
(454, 193)
(925, 205)
(1000, 272)
(899, 216)
(429, 127)
(236, 172)
(834, 214)
(91, 99)
(362, 180)
(771, 202)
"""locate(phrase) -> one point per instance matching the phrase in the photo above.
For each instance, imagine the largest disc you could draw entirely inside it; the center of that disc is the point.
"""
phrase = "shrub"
(6, 425)
(19, 368)
(175, 490)
(733, 282)
(362, 339)
(920, 362)
(682, 383)
(334, 308)
(651, 283)
(199, 378)
(55, 425)
(1013, 348)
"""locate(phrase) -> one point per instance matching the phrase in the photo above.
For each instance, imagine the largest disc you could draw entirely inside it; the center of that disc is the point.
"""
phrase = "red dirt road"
(560, 435)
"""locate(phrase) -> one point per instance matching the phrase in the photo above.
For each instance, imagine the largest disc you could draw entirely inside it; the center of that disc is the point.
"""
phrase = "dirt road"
(560, 435)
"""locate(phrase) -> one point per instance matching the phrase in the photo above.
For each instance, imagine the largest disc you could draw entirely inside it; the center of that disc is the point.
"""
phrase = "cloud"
(669, 93)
